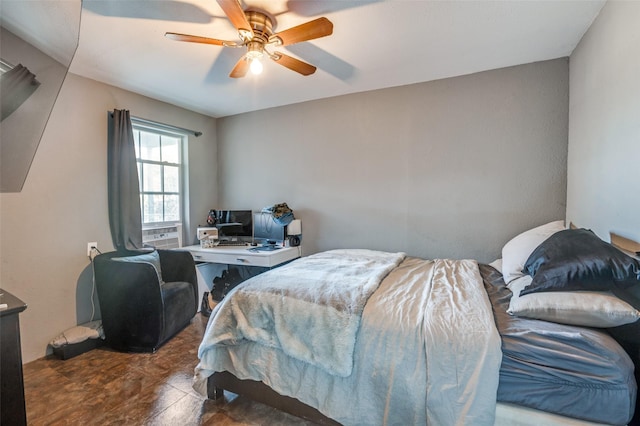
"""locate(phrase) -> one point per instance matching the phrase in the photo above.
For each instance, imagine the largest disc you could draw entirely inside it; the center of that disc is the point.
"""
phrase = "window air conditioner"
(163, 237)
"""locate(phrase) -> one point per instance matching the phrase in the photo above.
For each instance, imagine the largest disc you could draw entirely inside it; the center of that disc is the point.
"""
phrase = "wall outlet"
(90, 247)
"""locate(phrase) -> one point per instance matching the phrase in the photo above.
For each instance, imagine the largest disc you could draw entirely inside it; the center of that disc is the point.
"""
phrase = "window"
(160, 170)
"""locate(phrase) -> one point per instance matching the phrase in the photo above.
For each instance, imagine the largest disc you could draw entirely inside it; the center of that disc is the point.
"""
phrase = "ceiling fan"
(255, 29)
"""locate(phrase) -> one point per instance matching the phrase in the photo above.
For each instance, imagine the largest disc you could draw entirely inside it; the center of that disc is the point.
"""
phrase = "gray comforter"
(426, 351)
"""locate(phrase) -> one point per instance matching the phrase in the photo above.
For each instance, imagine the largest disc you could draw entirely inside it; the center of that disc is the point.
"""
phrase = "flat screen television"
(234, 225)
(266, 229)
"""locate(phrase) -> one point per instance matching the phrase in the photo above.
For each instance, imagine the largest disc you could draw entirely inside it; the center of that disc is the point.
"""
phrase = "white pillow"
(516, 252)
(584, 308)
(497, 264)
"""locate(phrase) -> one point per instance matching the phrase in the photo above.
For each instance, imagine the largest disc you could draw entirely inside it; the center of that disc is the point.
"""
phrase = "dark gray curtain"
(124, 193)
(16, 85)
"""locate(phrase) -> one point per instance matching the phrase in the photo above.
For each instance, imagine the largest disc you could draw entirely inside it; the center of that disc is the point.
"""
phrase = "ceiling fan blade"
(293, 64)
(234, 12)
(197, 39)
(241, 68)
(317, 28)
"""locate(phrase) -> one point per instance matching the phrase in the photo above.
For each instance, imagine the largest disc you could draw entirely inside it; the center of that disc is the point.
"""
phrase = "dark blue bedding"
(568, 370)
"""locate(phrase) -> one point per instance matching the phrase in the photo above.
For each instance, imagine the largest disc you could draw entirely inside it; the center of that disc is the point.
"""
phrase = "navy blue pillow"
(576, 259)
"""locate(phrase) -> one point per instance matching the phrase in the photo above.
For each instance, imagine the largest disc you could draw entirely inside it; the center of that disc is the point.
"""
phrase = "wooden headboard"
(625, 244)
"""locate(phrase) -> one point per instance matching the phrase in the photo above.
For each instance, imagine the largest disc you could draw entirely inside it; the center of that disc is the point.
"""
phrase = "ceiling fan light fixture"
(256, 66)
(255, 49)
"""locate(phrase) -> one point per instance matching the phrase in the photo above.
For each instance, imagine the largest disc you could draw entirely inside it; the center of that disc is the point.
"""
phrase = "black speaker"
(294, 240)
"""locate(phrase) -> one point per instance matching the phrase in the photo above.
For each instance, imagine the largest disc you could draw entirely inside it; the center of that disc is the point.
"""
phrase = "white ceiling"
(375, 44)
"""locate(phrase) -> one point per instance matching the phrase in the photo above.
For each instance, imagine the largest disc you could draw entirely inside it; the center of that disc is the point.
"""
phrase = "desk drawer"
(248, 259)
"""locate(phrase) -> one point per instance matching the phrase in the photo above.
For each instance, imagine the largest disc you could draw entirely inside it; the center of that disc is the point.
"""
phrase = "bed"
(368, 337)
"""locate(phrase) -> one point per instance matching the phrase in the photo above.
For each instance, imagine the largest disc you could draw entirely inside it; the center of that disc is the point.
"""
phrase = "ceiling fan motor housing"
(261, 24)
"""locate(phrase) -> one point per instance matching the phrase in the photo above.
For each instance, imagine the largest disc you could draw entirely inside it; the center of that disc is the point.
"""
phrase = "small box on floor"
(78, 340)
(71, 350)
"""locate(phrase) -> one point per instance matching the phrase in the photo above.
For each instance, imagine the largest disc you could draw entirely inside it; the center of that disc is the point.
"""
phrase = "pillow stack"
(570, 276)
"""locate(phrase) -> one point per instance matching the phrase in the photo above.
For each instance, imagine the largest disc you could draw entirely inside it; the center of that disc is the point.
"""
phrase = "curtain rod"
(166, 126)
(163, 125)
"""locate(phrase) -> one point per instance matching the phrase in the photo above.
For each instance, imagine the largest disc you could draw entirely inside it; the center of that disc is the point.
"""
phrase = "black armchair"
(145, 299)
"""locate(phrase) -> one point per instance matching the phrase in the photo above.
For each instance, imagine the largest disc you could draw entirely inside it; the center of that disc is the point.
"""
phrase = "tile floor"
(105, 387)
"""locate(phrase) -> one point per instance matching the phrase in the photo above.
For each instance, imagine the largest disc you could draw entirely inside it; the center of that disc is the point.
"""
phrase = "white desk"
(240, 255)
(234, 255)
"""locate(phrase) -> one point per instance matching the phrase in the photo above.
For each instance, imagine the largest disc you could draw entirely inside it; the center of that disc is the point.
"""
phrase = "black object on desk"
(12, 406)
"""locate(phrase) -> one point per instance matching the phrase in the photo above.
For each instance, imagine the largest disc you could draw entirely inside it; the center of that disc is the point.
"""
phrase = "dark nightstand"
(12, 406)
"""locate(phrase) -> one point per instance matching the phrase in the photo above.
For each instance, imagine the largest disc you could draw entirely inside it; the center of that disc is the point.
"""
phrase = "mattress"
(568, 370)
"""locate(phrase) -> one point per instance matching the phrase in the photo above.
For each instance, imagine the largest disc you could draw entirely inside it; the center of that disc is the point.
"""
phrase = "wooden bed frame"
(258, 391)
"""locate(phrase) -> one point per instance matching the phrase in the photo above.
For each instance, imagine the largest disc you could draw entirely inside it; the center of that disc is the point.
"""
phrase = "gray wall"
(449, 168)
(604, 133)
(63, 205)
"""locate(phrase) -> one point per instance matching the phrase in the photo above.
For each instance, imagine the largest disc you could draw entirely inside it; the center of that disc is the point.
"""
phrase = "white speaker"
(294, 231)
(295, 227)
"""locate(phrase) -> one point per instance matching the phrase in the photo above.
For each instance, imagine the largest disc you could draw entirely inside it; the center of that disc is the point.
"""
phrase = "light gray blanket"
(310, 309)
(427, 352)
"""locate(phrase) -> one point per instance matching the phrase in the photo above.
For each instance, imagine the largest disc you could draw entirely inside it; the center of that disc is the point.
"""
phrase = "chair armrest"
(129, 295)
